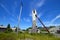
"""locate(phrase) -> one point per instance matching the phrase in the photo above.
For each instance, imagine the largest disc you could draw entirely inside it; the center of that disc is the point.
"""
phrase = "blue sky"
(47, 10)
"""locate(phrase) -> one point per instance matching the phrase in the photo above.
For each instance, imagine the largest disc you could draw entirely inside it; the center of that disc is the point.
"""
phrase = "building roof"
(2, 27)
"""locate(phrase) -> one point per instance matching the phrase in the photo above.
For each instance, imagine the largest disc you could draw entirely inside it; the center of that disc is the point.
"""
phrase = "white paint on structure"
(34, 26)
(33, 15)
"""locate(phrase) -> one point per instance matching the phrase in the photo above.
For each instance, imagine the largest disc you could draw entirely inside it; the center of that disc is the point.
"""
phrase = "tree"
(8, 29)
(28, 28)
(51, 26)
(8, 26)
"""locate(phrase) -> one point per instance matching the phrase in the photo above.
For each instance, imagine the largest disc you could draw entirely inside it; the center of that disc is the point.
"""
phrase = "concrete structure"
(14, 29)
(54, 30)
(38, 30)
(34, 26)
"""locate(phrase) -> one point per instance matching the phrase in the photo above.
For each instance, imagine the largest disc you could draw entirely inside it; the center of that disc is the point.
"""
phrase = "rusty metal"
(42, 24)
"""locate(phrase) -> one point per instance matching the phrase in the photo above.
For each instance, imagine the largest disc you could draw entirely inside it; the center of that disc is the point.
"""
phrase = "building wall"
(2, 29)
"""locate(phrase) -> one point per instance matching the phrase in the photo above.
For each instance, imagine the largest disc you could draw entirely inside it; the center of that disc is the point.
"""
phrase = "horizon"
(47, 10)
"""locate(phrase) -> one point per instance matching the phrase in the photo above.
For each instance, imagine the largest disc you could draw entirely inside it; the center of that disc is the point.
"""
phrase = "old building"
(3, 29)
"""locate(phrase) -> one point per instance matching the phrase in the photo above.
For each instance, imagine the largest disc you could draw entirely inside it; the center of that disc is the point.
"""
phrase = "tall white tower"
(34, 27)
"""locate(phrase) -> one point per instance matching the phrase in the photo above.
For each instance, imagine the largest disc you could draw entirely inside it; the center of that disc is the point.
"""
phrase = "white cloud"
(4, 8)
(53, 24)
(52, 21)
(14, 6)
(50, 24)
(40, 3)
(58, 16)
(26, 19)
(9, 13)
(40, 14)
(12, 20)
(37, 3)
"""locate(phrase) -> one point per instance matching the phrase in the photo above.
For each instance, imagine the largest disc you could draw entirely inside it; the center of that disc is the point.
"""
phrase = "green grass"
(39, 36)
(13, 36)
(8, 36)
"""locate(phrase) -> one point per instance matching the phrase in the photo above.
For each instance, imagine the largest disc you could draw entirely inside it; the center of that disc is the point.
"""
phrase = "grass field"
(39, 36)
(13, 36)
